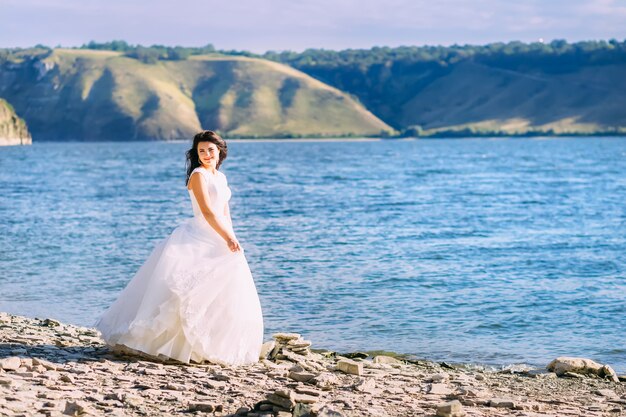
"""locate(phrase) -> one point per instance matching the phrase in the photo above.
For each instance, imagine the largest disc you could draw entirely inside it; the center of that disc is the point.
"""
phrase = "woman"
(194, 298)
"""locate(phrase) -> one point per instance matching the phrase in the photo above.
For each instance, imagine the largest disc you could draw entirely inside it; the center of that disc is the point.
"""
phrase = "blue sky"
(261, 25)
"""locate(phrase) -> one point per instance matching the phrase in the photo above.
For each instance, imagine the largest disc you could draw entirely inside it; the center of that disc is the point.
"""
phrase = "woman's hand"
(233, 244)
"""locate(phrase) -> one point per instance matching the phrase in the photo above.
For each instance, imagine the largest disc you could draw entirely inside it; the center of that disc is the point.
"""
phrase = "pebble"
(61, 368)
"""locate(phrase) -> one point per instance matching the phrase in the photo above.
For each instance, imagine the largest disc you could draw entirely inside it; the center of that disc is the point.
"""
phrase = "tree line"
(510, 54)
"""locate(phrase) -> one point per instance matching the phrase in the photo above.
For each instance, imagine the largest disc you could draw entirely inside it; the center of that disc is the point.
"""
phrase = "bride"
(194, 298)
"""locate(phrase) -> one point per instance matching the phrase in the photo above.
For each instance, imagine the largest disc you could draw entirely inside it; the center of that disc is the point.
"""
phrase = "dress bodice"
(217, 190)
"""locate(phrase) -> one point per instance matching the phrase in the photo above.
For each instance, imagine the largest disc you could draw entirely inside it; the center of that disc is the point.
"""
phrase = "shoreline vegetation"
(409, 134)
(49, 368)
(362, 138)
(441, 134)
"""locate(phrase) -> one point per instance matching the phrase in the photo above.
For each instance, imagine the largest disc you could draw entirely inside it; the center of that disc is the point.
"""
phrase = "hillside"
(13, 129)
(499, 88)
(488, 98)
(72, 94)
(158, 92)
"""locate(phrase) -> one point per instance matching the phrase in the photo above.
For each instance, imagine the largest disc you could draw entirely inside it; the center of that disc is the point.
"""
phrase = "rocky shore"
(49, 368)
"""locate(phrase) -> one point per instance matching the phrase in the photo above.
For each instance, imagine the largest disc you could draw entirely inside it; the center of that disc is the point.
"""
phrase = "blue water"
(474, 250)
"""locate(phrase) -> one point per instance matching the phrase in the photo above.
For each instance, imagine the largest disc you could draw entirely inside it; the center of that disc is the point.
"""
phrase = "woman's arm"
(197, 187)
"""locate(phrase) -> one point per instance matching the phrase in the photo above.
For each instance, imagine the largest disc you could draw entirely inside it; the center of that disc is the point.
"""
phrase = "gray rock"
(563, 365)
(11, 363)
(283, 402)
(302, 410)
(265, 407)
(301, 376)
(285, 337)
(76, 408)
(51, 323)
(116, 396)
(326, 381)
(204, 407)
(606, 393)
(215, 384)
(388, 360)
(350, 367)
(266, 349)
(68, 378)
(308, 391)
(298, 343)
(366, 385)
(572, 375)
(26, 374)
(439, 378)
(327, 411)
(27, 362)
(305, 399)
(285, 393)
(6, 382)
(450, 409)
(501, 403)
(608, 373)
(439, 389)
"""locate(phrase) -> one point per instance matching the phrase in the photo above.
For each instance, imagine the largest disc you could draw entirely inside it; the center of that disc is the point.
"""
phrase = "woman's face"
(208, 154)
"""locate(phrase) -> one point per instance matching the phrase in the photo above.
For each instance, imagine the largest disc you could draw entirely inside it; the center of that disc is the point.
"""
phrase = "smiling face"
(208, 154)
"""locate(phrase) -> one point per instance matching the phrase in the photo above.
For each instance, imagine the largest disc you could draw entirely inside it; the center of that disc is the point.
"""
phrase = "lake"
(484, 251)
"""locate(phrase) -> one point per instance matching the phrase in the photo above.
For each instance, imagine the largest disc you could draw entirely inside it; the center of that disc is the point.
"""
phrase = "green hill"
(487, 98)
(496, 88)
(160, 92)
(78, 94)
(13, 129)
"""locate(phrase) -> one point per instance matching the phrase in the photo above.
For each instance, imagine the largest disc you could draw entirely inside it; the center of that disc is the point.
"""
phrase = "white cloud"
(296, 24)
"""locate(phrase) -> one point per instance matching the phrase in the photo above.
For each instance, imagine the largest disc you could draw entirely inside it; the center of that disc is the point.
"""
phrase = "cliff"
(13, 130)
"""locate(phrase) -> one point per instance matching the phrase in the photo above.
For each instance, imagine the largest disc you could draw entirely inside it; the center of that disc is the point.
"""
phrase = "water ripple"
(486, 251)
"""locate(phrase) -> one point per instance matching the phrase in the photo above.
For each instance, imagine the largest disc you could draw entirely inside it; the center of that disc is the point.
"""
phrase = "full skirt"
(192, 300)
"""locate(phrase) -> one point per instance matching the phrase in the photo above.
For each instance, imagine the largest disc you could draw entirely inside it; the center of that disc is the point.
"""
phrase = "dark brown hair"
(192, 154)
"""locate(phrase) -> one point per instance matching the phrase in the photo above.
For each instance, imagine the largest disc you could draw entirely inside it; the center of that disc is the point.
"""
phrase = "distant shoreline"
(350, 139)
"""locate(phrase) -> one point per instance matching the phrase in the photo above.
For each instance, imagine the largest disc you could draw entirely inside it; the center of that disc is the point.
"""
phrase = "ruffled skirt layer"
(192, 300)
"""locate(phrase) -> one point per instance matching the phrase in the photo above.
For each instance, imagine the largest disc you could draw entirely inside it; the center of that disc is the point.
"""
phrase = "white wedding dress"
(193, 299)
